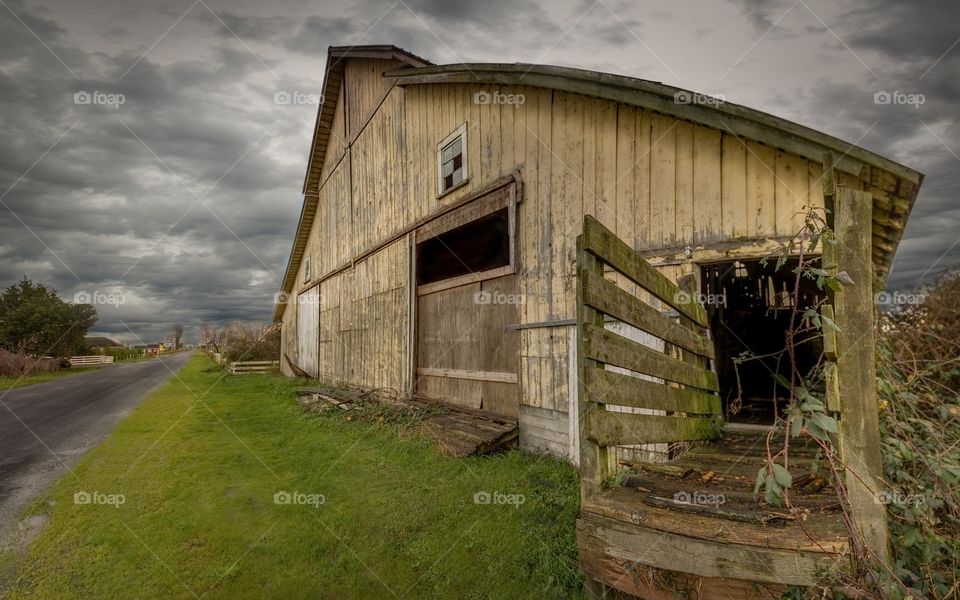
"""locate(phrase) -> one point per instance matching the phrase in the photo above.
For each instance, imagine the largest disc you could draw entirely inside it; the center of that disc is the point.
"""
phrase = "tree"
(177, 335)
(35, 320)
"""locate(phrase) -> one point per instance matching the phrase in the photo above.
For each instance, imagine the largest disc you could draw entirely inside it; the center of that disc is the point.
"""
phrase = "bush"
(15, 365)
(919, 389)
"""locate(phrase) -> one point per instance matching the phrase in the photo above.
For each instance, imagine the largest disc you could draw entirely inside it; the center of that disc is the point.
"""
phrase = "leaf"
(781, 380)
(761, 476)
(830, 323)
(844, 278)
(796, 425)
(782, 475)
(825, 422)
(772, 492)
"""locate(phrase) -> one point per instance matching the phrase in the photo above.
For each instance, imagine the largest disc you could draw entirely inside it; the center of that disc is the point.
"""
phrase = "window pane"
(478, 246)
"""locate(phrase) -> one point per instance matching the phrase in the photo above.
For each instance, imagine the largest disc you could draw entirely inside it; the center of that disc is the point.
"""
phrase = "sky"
(148, 169)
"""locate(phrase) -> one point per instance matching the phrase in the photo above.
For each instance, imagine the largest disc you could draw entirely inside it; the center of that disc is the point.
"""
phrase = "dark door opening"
(749, 305)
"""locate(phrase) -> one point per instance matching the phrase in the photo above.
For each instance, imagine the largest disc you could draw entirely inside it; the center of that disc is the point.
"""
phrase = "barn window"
(452, 161)
(306, 270)
(478, 246)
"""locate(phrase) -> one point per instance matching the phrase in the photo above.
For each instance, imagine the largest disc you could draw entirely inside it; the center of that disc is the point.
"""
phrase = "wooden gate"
(675, 386)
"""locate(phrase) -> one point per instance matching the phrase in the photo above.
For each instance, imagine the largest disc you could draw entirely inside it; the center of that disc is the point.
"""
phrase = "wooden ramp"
(694, 522)
(458, 431)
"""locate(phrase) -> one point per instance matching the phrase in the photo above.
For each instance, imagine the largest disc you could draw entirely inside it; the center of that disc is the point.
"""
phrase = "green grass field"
(8, 383)
(381, 515)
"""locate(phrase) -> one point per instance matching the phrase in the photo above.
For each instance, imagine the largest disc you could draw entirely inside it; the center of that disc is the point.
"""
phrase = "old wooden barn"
(511, 237)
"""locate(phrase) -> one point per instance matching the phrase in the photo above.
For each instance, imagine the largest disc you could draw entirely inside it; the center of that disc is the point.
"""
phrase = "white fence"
(253, 366)
(83, 361)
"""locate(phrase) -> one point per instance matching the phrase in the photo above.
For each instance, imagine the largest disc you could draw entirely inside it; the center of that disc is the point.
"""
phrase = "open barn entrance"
(749, 305)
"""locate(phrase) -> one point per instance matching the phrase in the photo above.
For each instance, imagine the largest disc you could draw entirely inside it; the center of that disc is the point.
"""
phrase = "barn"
(456, 220)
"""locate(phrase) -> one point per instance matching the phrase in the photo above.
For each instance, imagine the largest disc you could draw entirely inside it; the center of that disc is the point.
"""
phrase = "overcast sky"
(181, 202)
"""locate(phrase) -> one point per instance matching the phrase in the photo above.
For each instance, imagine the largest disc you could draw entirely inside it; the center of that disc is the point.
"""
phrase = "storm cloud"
(145, 154)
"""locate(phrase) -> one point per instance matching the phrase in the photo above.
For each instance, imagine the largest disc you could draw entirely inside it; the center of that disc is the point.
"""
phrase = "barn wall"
(658, 182)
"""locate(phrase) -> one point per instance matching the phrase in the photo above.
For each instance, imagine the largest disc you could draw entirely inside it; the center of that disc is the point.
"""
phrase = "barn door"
(467, 296)
(308, 330)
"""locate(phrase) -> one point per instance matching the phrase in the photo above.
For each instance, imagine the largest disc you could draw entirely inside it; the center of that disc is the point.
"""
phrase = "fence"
(84, 361)
(253, 366)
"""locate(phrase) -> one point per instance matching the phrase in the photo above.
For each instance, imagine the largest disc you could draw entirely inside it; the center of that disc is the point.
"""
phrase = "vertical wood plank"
(733, 187)
(685, 205)
(761, 190)
(706, 184)
(663, 183)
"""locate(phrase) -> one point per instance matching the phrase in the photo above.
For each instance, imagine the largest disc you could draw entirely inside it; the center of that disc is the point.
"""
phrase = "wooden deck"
(694, 522)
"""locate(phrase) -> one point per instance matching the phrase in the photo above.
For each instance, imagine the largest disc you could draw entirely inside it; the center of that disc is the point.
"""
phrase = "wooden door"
(466, 354)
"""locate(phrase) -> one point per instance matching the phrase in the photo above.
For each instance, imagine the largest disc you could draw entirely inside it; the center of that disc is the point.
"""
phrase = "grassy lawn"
(8, 383)
(382, 513)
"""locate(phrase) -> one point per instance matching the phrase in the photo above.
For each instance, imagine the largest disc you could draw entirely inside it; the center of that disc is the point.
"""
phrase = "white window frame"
(306, 270)
(460, 132)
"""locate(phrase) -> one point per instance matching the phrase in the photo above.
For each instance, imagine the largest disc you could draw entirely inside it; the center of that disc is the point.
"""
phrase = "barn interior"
(750, 304)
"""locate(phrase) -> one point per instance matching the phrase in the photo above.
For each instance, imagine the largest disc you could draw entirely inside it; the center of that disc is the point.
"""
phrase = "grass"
(9, 383)
(198, 517)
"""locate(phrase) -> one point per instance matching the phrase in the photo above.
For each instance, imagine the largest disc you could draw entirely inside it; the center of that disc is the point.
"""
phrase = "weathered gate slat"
(609, 348)
(601, 242)
(606, 297)
(609, 387)
(617, 428)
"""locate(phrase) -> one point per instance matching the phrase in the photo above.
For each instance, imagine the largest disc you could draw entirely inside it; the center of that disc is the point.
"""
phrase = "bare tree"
(177, 336)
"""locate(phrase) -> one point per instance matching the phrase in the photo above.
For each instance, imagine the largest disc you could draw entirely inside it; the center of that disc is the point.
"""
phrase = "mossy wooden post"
(594, 458)
(854, 310)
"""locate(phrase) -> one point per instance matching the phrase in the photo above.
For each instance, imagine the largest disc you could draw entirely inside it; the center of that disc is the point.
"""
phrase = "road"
(48, 427)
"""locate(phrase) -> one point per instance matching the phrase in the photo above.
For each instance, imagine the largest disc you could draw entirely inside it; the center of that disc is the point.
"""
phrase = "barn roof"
(890, 210)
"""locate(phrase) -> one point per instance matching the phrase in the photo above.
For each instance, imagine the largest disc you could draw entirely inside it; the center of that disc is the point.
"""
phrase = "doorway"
(750, 304)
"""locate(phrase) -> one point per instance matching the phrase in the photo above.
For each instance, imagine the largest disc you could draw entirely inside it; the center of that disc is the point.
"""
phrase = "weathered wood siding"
(658, 182)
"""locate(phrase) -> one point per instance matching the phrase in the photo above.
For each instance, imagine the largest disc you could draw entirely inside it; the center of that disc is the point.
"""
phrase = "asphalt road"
(48, 425)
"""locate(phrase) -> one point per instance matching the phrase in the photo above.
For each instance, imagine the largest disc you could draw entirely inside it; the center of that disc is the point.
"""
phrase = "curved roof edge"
(734, 118)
